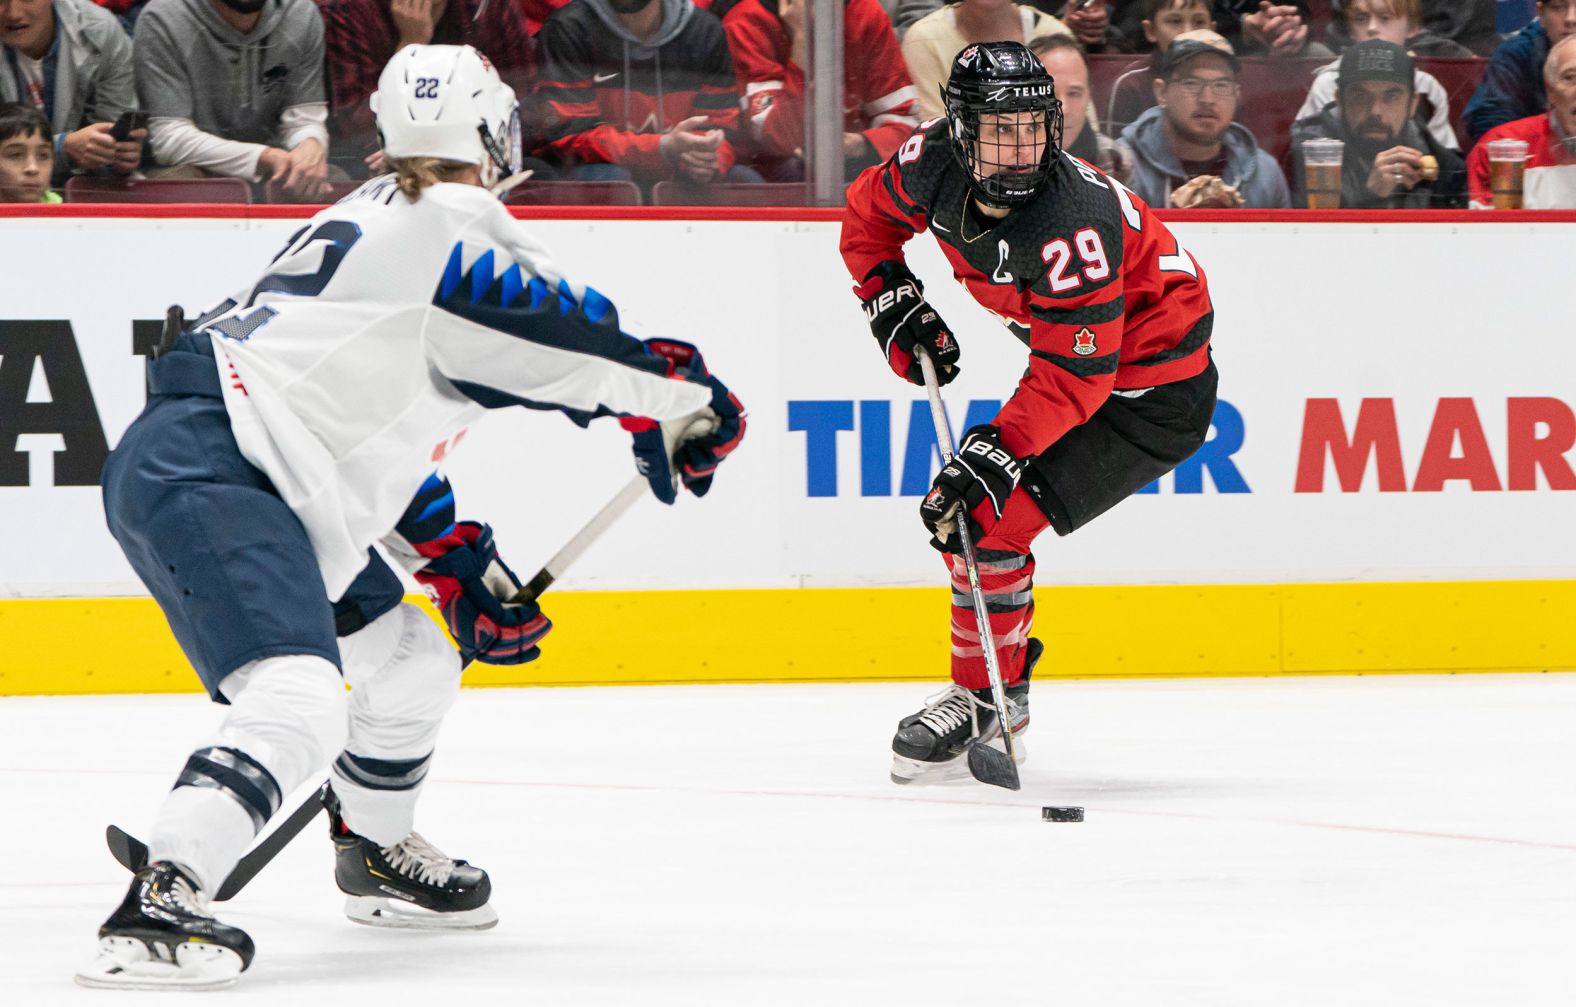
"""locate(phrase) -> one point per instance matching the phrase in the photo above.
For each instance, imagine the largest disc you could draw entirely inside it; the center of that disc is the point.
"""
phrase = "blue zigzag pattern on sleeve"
(538, 312)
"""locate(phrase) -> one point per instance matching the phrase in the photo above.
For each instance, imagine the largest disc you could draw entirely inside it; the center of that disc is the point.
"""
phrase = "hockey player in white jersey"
(298, 426)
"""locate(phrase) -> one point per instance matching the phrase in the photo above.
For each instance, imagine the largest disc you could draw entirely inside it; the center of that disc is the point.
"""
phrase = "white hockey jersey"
(384, 328)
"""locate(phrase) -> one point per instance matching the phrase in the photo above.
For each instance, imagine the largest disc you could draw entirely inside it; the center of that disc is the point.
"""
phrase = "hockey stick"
(987, 764)
(699, 426)
(132, 853)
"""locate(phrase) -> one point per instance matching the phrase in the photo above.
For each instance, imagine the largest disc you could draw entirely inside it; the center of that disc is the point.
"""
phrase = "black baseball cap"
(1375, 59)
(1184, 49)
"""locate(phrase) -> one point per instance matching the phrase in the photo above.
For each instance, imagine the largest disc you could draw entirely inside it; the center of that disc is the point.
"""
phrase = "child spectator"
(1549, 179)
(361, 36)
(935, 40)
(639, 90)
(1191, 135)
(1393, 21)
(768, 45)
(1398, 21)
(1065, 62)
(1512, 87)
(235, 88)
(27, 155)
(1389, 162)
(70, 60)
(1164, 20)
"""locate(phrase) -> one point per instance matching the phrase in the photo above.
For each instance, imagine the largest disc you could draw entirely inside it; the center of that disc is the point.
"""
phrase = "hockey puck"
(1049, 814)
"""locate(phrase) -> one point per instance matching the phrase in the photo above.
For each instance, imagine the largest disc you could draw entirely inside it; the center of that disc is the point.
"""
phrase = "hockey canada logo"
(1083, 342)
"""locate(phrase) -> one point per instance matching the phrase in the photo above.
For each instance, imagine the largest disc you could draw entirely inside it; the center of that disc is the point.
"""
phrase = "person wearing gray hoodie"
(1191, 133)
(235, 88)
(70, 60)
(639, 89)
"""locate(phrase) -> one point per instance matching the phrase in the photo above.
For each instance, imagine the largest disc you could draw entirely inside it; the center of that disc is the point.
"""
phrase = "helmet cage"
(996, 182)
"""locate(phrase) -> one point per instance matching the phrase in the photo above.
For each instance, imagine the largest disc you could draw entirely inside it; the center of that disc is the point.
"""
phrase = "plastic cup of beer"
(1321, 157)
(1507, 164)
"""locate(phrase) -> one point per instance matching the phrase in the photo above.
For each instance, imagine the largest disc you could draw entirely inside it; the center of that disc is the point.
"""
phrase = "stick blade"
(128, 851)
(993, 766)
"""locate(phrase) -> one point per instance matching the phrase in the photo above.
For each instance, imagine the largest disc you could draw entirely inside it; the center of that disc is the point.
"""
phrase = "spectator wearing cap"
(1191, 134)
(1164, 21)
(1064, 61)
(768, 40)
(361, 36)
(1393, 21)
(235, 88)
(71, 61)
(1512, 86)
(1389, 160)
(934, 41)
(1549, 179)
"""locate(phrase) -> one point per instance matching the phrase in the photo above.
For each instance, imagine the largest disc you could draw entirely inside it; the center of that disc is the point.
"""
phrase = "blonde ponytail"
(414, 174)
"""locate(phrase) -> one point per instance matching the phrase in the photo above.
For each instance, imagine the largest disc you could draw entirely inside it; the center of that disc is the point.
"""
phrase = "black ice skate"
(164, 937)
(929, 745)
(410, 885)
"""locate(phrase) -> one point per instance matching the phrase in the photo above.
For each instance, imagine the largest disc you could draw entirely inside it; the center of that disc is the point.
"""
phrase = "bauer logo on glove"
(904, 323)
(977, 483)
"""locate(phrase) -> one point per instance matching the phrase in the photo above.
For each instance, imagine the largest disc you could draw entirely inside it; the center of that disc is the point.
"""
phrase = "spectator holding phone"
(235, 88)
(70, 60)
(27, 155)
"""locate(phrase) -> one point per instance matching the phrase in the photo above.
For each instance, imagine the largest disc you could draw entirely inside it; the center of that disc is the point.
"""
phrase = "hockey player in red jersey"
(1119, 387)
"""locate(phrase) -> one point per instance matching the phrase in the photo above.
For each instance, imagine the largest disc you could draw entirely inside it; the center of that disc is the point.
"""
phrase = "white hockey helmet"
(447, 101)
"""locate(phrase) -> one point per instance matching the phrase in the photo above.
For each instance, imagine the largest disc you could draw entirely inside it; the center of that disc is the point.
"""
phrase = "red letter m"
(1323, 431)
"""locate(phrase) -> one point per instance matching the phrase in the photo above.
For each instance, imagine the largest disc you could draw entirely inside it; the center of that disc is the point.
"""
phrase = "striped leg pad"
(1007, 580)
(237, 774)
(382, 774)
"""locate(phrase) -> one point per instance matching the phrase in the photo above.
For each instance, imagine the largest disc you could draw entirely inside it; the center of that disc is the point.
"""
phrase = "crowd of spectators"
(695, 92)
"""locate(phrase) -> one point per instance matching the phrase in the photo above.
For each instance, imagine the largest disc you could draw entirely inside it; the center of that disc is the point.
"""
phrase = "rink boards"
(1389, 485)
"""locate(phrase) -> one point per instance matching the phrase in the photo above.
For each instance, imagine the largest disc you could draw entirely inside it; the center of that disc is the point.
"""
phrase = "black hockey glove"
(686, 451)
(901, 319)
(977, 481)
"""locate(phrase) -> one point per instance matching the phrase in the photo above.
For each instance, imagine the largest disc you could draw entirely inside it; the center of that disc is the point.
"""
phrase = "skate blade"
(126, 963)
(374, 911)
(906, 771)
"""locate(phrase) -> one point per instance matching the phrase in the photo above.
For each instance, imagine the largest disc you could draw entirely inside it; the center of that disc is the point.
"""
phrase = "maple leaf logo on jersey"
(1083, 342)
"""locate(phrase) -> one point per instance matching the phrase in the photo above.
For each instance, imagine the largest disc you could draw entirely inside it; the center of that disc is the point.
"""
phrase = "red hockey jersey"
(878, 98)
(1085, 274)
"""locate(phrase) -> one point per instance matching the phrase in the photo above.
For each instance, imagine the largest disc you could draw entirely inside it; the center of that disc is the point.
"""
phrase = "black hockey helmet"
(1006, 80)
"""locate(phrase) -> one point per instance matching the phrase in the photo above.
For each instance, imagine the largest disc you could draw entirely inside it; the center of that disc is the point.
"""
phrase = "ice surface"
(1334, 842)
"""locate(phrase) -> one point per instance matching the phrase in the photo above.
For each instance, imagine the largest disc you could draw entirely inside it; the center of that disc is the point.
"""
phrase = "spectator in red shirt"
(640, 90)
(768, 40)
(361, 36)
(1549, 181)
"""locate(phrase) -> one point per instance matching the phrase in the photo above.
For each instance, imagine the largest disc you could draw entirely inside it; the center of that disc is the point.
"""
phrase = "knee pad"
(287, 715)
(404, 676)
